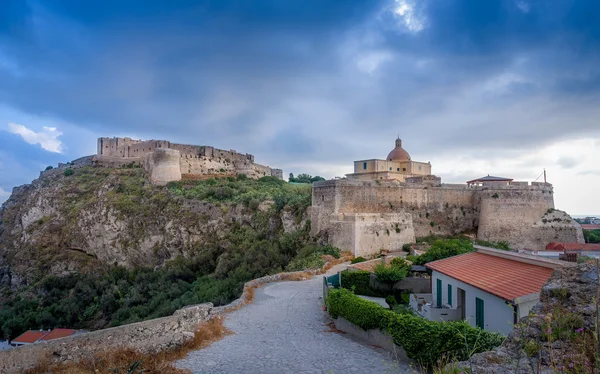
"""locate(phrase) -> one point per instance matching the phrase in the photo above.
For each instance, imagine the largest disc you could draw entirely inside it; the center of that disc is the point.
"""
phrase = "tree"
(305, 178)
(390, 275)
(441, 249)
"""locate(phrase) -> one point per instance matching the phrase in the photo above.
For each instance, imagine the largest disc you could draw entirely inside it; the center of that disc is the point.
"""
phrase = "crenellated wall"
(193, 159)
(511, 213)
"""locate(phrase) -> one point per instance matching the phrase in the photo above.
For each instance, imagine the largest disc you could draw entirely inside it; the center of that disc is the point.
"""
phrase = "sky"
(505, 88)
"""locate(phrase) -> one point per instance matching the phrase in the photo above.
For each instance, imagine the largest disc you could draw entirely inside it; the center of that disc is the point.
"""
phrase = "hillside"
(86, 246)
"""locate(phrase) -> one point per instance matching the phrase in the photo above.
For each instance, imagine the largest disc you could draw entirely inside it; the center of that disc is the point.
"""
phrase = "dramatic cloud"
(47, 138)
(310, 86)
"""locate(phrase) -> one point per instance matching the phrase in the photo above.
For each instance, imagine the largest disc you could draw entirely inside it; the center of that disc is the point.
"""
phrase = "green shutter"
(479, 312)
(439, 293)
(450, 294)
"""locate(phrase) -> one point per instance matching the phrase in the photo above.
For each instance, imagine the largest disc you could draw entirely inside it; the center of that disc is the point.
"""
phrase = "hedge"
(359, 282)
(424, 341)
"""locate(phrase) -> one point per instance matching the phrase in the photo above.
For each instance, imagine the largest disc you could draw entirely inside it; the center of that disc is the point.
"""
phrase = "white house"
(489, 288)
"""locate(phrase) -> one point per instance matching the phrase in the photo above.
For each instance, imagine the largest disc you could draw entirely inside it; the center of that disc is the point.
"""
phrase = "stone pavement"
(286, 331)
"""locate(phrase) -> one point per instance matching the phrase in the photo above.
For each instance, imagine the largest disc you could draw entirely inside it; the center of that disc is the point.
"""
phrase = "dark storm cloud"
(321, 81)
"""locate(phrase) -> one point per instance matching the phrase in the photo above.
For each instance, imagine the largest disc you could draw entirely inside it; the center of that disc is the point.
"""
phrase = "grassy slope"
(104, 295)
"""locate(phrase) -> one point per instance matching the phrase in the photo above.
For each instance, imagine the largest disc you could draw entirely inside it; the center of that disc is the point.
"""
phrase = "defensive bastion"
(366, 216)
(166, 161)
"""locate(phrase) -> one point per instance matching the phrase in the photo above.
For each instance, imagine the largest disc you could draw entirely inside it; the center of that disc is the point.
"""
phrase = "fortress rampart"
(193, 160)
(422, 206)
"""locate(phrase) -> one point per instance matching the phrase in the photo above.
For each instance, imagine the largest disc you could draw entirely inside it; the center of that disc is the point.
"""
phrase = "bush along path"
(285, 330)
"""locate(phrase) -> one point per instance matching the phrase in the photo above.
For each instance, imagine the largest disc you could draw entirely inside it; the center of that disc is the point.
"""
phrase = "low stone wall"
(148, 337)
(374, 337)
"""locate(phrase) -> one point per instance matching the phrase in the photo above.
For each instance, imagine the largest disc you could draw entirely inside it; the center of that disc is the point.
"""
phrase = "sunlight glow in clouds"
(406, 12)
(47, 138)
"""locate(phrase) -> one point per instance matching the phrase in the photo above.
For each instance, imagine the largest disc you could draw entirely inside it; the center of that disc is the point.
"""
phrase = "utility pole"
(544, 175)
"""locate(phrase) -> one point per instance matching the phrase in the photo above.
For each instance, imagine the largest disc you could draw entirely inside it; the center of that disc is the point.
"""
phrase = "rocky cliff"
(63, 222)
(559, 336)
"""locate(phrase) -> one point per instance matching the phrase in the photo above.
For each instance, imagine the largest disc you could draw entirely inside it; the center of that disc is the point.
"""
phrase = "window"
(390, 169)
(403, 169)
(364, 166)
(479, 322)
(419, 168)
(450, 294)
(398, 169)
(439, 292)
(322, 197)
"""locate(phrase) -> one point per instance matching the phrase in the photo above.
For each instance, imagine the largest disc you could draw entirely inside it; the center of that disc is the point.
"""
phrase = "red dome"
(398, 153)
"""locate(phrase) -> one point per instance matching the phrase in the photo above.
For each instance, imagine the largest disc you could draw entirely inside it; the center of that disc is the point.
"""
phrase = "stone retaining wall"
(148, 337)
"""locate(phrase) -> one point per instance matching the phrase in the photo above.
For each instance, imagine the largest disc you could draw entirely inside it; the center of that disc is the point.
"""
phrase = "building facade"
(489, 288)
(398, 165)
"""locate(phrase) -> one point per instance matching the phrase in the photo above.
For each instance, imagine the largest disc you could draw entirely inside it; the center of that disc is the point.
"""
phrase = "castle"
(387, 203)
(166, 161)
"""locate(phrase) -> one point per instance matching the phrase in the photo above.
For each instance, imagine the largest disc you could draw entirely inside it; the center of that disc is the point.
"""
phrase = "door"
(460, 302)
(479, 313)
(439, 292)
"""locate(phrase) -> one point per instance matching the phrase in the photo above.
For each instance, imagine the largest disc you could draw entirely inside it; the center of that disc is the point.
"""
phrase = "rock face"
(559, 334)
(61, 223)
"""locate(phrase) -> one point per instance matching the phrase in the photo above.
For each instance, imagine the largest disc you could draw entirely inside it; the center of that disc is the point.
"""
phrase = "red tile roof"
(587, 226)
(506, 278)
(557, 246)
(30, 336)
(58, 333)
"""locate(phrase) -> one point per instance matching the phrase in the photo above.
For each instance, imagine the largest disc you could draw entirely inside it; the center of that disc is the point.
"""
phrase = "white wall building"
(489, 288)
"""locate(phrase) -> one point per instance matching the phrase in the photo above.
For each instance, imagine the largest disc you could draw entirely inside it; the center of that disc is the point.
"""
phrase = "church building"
(397, 166)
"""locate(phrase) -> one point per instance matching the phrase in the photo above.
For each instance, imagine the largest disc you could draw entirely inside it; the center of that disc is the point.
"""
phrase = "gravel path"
(285, 331)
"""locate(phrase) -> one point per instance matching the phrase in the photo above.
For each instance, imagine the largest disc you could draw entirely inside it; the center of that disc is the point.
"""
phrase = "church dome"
(398, 153)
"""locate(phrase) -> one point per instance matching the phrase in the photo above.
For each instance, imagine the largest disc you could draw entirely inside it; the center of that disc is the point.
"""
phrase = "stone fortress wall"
(158, 157)
(366, 216)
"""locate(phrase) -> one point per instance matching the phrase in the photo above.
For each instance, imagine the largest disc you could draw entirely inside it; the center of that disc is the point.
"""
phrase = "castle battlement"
(365, 216)
(166, 161)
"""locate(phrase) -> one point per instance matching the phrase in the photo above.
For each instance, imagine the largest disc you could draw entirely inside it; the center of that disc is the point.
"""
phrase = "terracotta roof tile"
(30, 336)
(587, 226)
(557, 246)
(58, 333)
(505, 278)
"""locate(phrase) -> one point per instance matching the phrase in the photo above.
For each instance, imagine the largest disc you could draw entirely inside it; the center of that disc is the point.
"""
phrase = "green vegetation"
(311, 257)
(246, 191)
(211, 271)
(304, 178)
(359, 282)
(424, 341)
(503, 245)
(358, 260)
(49, 167)
(395, 272)
(443, 249)
(591, 236)
(68, 172)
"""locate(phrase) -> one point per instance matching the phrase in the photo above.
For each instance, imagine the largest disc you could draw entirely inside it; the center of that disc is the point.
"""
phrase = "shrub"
(444, 248)
(68, 172)
(406, 247)
(403, 309)
(389, 274)
(401, 263)
(358, 259)
(424, 341)
(49, 167)
(359, 282)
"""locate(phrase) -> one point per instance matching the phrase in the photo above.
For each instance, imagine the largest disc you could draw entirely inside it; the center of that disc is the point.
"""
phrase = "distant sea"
(586, 215)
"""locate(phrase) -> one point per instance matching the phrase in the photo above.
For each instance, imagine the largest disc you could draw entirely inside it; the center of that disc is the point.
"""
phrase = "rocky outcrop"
(559, 335)
(63, 223)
